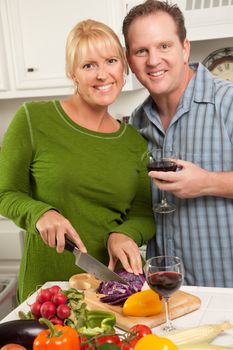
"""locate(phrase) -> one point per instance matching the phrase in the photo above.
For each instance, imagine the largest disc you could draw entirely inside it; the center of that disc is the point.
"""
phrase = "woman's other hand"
(53, 227)
(123, 248)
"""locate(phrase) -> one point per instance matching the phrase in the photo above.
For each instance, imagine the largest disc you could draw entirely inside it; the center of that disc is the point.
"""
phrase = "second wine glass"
(162, 159)
(164, 274)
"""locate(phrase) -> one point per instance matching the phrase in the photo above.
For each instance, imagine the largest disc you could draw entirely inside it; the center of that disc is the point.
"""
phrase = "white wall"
(127, 100)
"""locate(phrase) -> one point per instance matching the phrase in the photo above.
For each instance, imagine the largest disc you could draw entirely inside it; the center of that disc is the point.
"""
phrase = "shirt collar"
(204, 84)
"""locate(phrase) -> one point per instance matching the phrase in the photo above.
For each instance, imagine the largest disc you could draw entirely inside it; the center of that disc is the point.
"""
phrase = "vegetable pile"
(67, 307)
(51, 303)
(116, 293)
(126, 341)
(140, 337)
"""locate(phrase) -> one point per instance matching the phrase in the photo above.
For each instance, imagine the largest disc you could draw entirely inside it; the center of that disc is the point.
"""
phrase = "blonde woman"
(69, 168)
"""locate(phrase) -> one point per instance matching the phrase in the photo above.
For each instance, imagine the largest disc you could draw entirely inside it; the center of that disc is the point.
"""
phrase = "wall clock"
(220, 63)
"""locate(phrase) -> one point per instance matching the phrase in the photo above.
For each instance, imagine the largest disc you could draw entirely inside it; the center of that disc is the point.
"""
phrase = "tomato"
(136, 332)
(83, 340)
(95, 342)
(108, 339)
(140, 330)
(152, 342)
(129, 345)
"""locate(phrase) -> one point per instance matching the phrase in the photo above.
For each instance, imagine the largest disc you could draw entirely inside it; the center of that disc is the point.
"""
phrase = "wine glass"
(164, 274)
(162, 159)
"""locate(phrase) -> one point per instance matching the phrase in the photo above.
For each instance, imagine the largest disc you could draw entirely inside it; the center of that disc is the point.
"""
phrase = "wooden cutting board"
(181, 303)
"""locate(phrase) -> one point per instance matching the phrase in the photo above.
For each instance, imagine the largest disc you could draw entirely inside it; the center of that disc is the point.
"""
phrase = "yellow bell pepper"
(144, 303)
(152, 342)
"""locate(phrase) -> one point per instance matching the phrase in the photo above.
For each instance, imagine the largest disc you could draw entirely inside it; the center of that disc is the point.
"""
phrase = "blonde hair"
(88, 34)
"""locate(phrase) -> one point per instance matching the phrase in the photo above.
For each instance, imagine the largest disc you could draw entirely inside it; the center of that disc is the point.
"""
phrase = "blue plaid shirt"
(200, 231)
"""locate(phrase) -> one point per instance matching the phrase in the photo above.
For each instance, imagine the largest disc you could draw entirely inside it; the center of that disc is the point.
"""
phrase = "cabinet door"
(3, 67)
(207, 19)
(4, 83)
(10, 236)
(38, 30)
(125, 6)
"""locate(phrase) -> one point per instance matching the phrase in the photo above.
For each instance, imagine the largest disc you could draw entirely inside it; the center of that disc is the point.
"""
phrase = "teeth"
(103, 87)
(157, 74)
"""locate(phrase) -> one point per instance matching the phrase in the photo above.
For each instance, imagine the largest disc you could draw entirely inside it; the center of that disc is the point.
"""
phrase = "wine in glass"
(162, 159)
(164, 275)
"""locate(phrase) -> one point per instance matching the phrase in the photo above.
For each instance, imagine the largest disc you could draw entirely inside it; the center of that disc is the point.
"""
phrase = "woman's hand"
(126, 250)
(53, 227)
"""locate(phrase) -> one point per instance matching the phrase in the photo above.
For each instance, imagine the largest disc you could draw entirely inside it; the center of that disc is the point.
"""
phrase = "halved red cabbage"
(115, 292)
(136, 281)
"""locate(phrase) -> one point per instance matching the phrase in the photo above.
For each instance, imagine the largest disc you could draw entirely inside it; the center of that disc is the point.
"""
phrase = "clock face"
(224, 69)
(220, 63)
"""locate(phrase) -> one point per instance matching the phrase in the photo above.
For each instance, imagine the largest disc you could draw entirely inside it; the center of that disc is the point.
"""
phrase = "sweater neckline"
(84, 130)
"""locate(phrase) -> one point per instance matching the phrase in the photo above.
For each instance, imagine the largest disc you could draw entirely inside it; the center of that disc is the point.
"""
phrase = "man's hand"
(190, 181)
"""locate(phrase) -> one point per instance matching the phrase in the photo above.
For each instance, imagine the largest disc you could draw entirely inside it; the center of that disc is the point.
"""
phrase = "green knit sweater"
(96, 180)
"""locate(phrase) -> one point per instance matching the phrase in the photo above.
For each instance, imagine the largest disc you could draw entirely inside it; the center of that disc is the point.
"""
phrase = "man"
(192, 111)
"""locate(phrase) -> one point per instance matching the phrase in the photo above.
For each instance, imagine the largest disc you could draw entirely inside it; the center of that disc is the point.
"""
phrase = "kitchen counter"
(216, 307)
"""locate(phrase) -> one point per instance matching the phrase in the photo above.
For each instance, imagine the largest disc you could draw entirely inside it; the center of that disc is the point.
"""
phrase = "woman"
(69, 168)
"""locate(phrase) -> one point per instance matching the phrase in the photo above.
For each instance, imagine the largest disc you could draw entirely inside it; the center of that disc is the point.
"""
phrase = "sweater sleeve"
(139, 224)
(16, 156)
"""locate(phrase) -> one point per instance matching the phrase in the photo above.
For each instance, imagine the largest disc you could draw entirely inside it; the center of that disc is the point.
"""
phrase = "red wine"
(162, 165)
(165, 283)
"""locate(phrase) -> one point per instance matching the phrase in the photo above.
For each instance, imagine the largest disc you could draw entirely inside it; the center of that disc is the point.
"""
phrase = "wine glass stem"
(163, 198)
(168, 321)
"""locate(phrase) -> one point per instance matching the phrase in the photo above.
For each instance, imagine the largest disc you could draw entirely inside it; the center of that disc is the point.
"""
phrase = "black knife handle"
(69, 245)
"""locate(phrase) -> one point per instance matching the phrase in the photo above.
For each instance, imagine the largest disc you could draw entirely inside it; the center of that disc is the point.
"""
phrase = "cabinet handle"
(30, 70)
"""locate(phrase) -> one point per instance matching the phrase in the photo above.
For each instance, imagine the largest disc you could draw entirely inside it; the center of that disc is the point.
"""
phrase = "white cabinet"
(33, 36)
(11, 238)
(4, 82)
(37, 32)
(3, 76)
(207, 19)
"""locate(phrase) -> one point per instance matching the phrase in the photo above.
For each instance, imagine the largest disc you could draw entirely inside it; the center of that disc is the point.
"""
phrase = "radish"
(48, 309)
(56, 320)
(35, 309)
(44, 295)
(54, 289)
(63, 311)
(59, 298)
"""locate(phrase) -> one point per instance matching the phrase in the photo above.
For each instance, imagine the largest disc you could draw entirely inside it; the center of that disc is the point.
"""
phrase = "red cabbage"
(115, 292)
(136, 281)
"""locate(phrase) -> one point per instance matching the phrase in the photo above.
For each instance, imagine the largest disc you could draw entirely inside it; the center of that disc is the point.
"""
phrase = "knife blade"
(91, 265)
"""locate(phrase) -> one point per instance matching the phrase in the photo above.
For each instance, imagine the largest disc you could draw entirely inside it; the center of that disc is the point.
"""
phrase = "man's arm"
(191, 181)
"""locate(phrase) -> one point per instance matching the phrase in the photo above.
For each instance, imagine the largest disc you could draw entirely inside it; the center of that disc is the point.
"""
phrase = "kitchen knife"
(91, 265)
